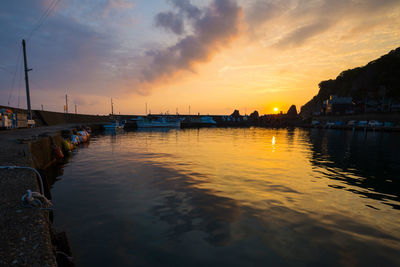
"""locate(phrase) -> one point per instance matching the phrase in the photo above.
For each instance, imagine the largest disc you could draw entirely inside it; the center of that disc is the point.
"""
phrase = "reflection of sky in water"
(233, 197)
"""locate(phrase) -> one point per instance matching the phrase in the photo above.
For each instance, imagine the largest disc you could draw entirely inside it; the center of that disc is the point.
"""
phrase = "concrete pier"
(25, 233)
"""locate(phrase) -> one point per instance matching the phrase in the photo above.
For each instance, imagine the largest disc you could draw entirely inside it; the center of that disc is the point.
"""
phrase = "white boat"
(114, 125)
(158, 122)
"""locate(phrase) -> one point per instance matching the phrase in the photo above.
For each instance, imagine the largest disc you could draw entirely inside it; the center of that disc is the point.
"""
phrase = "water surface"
(233, 197)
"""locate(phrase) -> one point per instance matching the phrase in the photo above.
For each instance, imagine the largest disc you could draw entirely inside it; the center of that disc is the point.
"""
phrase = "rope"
(35, 200)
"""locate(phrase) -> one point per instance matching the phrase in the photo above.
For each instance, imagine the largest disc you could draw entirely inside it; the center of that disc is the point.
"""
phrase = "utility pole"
(146, 109)
(189, 109)
(42, 107)
(76, 110)
(66, 103)
(28, 96)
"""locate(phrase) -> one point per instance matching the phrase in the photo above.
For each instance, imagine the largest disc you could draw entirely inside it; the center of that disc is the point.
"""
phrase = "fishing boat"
(158, 122)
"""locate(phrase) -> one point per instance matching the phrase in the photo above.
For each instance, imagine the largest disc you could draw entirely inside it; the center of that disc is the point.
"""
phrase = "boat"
(158, 122)
(196, 122)
(115, 125)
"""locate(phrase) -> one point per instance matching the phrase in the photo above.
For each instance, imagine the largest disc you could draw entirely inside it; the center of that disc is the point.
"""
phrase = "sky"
(212, 55)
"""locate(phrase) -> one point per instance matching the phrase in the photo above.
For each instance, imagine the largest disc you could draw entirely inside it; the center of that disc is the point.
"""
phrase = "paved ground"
(25, 238)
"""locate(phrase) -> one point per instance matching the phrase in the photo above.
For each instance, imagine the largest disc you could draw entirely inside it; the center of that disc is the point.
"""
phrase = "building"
(339, 105)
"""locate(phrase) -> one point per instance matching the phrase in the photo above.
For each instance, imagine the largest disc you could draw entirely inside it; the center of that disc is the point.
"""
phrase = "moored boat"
(158, 122)
(115, 125)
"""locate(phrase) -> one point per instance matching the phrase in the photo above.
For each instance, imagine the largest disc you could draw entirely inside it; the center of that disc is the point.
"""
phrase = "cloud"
(214, 29)
(186, 8)
(303, 33)
(114, 6)
(263, 11)
(174, 22)
(170, 21)
(314, 17)
(65, 53)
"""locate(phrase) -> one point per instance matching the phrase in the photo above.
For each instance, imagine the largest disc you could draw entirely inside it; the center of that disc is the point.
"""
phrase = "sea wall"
(54, 118)
(48, 118)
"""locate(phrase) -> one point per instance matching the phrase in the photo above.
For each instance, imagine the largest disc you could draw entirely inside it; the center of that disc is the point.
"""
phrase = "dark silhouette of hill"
(380, 77)
(292, 112)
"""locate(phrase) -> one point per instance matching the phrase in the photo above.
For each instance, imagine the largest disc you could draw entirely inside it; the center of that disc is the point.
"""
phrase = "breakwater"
(50, 118)
(56, 118)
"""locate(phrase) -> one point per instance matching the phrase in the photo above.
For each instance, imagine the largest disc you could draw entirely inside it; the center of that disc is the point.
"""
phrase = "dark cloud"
(170, 21)
(186, 8)
(213, 30)
(175, 22)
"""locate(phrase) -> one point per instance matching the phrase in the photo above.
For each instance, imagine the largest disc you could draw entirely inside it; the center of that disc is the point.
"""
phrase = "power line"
(17, 67)
(43, 18)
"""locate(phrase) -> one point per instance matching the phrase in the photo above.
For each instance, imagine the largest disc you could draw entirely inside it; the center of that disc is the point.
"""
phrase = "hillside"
(377, 78)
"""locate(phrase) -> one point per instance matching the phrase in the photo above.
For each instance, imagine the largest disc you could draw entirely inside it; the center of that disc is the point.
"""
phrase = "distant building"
(339, 105)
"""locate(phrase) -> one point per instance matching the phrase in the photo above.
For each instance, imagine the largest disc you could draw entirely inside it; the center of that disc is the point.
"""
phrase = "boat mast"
(112, 107)
(66, 103)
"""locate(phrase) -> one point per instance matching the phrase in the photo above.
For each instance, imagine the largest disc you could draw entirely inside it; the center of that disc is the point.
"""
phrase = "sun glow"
(276, 109)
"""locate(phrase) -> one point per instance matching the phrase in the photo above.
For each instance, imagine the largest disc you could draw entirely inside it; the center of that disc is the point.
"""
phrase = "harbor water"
(233, 197)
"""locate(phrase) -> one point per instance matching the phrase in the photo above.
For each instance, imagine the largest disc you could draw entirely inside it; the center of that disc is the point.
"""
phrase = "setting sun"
(275, 109)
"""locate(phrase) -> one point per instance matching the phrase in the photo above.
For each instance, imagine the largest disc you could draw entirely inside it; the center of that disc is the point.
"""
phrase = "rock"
(254, 116)
(235, 114)
(292, 112)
